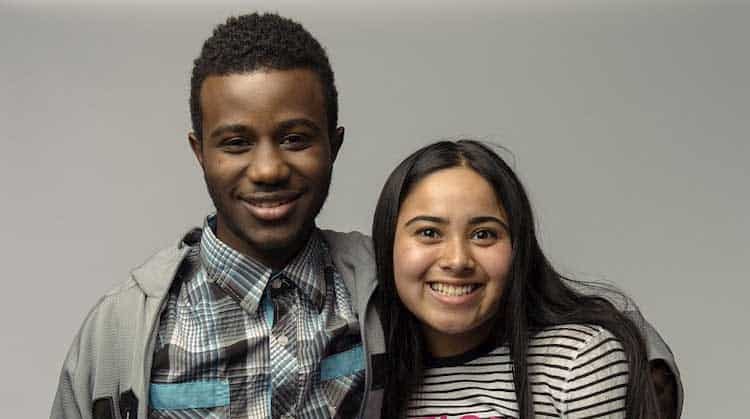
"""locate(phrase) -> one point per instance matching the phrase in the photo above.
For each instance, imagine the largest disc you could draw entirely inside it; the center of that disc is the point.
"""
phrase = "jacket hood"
(150, 275)
(352, 253)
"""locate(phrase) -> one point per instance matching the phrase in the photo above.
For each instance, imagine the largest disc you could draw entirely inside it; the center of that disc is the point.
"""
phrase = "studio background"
(628, 122)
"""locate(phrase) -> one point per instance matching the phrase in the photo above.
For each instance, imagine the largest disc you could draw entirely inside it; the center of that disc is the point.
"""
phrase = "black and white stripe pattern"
(575, 371)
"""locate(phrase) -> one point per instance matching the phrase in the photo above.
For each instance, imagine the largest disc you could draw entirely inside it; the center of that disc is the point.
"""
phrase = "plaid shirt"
(237, 340)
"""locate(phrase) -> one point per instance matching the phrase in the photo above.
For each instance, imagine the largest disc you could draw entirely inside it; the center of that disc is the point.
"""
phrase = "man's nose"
(457, 257)
(268, 165)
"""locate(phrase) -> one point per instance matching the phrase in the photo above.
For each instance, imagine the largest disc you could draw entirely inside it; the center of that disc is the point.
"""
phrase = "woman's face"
(451, 255)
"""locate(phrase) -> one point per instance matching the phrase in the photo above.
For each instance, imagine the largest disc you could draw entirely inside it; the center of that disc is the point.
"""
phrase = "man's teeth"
(269, 204)
(453, 290)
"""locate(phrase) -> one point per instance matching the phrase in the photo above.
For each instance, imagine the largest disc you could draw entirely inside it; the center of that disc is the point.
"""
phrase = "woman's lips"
(271, 207)
(452, 294)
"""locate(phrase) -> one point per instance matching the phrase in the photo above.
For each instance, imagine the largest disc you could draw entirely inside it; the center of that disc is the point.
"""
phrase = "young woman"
(478, 324)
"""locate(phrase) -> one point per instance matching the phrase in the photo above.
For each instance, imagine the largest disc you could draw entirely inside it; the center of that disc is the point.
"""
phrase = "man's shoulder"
(116, 309)
(154, 276)
(354, 258)
(351, 244)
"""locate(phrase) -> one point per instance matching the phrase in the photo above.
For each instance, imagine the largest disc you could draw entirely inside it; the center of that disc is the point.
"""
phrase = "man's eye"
(236, 143)
(294, 141)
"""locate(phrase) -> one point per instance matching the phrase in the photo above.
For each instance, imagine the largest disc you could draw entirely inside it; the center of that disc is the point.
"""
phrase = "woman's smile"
(450, 261)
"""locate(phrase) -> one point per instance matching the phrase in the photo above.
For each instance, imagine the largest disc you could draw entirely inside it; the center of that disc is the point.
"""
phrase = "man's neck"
(274, 258)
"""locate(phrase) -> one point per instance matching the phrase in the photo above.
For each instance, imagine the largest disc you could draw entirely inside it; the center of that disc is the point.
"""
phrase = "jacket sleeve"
(71, 400)
(658, 350)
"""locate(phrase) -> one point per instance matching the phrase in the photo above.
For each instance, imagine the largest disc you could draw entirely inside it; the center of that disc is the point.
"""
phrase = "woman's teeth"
(453, 290)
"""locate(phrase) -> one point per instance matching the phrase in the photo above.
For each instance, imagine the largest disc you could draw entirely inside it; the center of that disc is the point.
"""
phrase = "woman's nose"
(457, 258)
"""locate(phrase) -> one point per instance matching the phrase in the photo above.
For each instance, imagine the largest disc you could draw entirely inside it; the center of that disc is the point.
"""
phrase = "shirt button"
(283, 340)
(276, 284)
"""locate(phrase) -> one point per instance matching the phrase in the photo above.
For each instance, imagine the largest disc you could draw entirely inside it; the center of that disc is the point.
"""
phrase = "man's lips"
(271, 206)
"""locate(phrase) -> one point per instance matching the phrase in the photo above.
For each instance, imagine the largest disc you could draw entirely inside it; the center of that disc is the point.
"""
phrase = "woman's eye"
(428, 233)
(484, 235)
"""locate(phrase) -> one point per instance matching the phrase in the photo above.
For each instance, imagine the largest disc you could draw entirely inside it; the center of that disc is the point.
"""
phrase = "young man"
(259, 313)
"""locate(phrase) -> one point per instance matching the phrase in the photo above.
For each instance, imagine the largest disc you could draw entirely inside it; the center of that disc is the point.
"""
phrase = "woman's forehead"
(453, 192)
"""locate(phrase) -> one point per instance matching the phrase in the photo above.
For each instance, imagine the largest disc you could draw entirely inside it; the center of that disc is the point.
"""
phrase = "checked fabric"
(238, 340)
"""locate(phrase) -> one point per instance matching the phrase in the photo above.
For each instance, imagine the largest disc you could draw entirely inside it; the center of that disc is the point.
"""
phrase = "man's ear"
(336, 140)
(197, 146)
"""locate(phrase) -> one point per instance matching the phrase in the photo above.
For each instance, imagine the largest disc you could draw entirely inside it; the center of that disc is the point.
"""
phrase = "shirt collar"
(309, 268)
(245, 279)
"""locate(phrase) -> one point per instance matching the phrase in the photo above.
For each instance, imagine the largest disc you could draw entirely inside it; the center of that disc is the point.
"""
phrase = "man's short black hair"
(255, 41)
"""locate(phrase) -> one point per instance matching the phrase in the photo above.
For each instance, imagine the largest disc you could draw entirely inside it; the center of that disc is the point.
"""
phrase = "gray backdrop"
(627, 120)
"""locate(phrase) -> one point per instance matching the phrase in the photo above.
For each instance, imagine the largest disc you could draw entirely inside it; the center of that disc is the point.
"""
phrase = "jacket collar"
(165, 264)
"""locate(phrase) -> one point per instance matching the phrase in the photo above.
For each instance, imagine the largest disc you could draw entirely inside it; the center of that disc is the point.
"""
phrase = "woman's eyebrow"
(428, 218)
(487, 219)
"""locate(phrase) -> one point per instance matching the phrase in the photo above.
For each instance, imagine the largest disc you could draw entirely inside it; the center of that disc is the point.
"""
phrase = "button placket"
(284, 297)
(277, 288)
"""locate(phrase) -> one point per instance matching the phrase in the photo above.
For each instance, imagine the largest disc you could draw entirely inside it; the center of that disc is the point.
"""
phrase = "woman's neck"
(442, 345)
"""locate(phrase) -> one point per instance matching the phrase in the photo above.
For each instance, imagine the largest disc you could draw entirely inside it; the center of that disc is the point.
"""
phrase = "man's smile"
(271, 206)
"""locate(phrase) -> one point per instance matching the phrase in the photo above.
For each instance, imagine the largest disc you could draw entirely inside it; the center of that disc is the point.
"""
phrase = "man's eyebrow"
(488, 219)
(230, 128)
(292, 123)
(428, 218)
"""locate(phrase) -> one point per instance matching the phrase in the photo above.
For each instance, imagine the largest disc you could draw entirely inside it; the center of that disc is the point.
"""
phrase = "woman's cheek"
(411, 262)
(496, 261)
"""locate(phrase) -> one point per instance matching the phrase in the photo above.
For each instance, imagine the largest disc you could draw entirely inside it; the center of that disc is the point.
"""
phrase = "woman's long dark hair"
(534, 296)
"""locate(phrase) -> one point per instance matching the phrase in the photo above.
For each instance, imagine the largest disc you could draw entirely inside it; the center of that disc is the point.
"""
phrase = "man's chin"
(275, 244)
(268, 242)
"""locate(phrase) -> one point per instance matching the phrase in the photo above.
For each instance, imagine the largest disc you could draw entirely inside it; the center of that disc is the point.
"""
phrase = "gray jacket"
(107, 370)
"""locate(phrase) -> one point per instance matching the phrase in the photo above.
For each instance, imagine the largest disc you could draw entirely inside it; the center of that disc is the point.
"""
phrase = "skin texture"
(451, 229)
(267, 158)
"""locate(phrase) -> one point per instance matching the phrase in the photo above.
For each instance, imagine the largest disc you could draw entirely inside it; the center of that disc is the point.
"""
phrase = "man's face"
(267, 158)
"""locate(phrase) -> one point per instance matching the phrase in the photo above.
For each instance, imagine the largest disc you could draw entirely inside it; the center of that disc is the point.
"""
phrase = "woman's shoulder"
(573, 341)
(583, 367)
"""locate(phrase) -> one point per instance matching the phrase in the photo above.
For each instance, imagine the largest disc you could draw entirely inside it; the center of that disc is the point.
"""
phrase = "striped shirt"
(237, 340)
(575, 371)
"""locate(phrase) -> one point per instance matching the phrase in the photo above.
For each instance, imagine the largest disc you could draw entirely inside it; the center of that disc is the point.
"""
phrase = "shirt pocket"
(204, 399)
(342, 378)
(342, 364)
